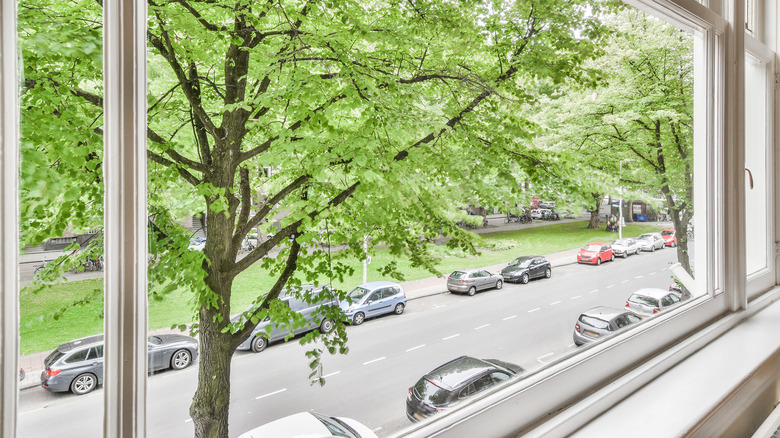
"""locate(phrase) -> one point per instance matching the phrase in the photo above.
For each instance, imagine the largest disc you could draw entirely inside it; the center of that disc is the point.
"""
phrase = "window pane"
(61, 235)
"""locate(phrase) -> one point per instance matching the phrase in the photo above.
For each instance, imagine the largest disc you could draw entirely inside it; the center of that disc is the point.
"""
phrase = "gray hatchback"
(77, 366)
(310, 309)
(472, 280)
(601, 322)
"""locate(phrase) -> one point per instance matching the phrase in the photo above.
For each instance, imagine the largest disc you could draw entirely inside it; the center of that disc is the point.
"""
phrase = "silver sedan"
(650, 242)
(625, 247)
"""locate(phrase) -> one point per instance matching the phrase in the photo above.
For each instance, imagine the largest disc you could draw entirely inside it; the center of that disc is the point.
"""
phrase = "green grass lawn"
(44, 324)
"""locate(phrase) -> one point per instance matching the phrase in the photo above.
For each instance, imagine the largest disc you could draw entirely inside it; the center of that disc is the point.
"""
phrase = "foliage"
(379, 118)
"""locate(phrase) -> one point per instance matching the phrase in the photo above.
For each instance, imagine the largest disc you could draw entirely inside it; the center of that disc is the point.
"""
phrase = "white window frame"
(758, 282)
(515, 408)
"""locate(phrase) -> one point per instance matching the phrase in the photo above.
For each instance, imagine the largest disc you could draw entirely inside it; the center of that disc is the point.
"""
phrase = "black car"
(523, 269)
(456, 380)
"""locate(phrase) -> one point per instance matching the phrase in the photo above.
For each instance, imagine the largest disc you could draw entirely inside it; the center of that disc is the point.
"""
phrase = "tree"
(641, 115)
(377, 117)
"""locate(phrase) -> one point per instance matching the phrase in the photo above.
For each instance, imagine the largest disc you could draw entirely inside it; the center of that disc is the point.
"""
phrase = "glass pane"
(758, 163)
(61, 235)
(308, 164)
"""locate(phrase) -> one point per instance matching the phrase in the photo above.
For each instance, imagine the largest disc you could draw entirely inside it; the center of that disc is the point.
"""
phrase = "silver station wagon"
(470, 281)
(601, 322)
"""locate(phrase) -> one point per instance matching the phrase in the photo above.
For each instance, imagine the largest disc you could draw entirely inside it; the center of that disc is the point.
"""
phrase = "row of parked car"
(597, 252)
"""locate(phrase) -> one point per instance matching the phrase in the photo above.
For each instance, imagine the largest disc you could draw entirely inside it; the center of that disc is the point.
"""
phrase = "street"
(530, 325)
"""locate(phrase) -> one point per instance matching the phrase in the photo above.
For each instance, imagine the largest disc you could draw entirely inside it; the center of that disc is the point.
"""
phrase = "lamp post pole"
(620, 202)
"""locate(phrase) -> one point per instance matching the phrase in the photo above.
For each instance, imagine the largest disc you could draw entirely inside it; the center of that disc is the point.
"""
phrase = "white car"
(539, 213)
(310, 424)
(625, 247)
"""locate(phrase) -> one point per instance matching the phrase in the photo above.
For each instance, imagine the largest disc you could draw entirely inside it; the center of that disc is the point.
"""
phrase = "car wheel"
(326, 326)
(499, 284)
(259, 343)
(83, 383)
(181, 359)
(524, 279)
(358, 318)
(674, 244)
(598, 261)
(612, 258)
(625, 255)
(472, 291)
(548, 273)
(399, 309)
(652, 248)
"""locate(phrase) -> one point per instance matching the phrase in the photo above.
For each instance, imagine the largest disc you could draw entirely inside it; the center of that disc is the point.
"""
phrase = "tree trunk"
(681, 221)
(211, 403)
(595, 221)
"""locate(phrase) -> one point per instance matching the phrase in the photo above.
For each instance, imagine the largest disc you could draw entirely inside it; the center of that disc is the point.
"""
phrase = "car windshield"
(430, 393)
(357, 293)
(521, 263)
(591, 248)
(594, 322)
(667, 233)
(336, 427)
(643, 299)
(458, 274)
(645, 237)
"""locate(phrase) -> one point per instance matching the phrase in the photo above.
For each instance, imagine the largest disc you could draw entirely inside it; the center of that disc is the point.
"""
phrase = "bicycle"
(40, 268)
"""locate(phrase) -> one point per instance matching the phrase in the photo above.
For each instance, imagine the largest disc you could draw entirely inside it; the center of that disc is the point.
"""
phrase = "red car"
(595, 253)
(670, 237)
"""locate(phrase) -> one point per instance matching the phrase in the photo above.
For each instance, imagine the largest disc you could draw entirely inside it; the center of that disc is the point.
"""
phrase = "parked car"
(681, 291)
(649, 301)
(547, 205)
(595, 253)
(625, 247)
(373, 299)
(539, 213)
(525, 268)
(266, 331)
(600, 322)
(77, 366)
(455, 381)
(197, 243)
(670, 237)
(650, 241)
(310, 424)
(550, 215)
(472, 280)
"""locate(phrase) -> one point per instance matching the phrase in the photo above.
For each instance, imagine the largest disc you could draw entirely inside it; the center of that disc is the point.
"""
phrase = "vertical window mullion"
(9, 245)
(124, 24)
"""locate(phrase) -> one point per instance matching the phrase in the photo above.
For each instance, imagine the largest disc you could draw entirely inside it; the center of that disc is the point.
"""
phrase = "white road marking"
(594, 291)
(639, 276)
(545, 356)
(375, 360)
(624, 281)
(436, 306)
(481, 327)
(271, 393)
(509, 317)
(611, 285)
(415, 348)
(450, 337)
(578, 296)
(377, 429)
(534, 310)
(652, 273)
(331, 374)
(190, 419)
(557, 302)
(663, 269)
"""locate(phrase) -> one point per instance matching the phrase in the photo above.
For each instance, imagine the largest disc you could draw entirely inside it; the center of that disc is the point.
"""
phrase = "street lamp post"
(620, 202)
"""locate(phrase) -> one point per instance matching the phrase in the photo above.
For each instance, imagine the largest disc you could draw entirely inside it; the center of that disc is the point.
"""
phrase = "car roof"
(88, 340)
(377, 284)
(527, 257)
(653, 292)
(596, 243)
(300, 424)
(467, 270)
(604, 312)
(457, 371)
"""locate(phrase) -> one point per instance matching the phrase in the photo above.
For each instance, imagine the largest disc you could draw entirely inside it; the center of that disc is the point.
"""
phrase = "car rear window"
(458, 274)
(667, 233)
(594, 322)
(337, 427)
(54, 356)
(430, 393)
(642, 299)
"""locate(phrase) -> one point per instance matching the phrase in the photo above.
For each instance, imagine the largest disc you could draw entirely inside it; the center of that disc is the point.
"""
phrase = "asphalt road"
(530, 325)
